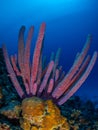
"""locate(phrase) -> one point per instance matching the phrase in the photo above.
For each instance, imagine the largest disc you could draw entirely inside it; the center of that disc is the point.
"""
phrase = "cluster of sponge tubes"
(48, 81)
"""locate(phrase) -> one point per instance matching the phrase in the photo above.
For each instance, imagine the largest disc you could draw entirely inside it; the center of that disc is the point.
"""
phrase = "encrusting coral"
(45, 86)
(39, 115)
(12, 110)
(4, 126)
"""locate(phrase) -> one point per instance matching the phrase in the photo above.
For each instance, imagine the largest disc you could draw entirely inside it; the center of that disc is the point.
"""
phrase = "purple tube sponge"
(48, 81)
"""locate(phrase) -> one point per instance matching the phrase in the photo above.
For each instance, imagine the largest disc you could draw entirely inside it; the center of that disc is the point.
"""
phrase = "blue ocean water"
(68, 22)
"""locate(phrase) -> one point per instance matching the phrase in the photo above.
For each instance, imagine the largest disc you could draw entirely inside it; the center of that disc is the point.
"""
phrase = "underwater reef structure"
(45, 87)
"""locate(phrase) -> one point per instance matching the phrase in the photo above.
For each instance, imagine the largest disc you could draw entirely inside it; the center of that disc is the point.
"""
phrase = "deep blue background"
(68, 24)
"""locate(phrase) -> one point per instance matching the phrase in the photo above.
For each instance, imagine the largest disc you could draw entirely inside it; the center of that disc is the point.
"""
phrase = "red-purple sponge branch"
(47, 81)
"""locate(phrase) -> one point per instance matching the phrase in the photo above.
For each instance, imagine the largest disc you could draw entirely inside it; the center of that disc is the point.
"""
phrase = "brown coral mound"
(41, 115)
